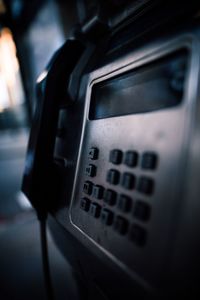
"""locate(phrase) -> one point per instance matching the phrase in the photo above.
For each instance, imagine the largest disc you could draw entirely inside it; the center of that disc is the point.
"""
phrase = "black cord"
(45, 260)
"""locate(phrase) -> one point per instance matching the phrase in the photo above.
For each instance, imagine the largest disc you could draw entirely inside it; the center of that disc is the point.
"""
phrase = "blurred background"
(30, 32)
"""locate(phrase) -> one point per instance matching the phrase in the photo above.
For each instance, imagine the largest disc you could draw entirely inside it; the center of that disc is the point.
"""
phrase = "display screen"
(155, 86)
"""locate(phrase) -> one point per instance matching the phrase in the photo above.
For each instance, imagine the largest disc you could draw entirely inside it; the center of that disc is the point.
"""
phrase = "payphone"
(123, 141)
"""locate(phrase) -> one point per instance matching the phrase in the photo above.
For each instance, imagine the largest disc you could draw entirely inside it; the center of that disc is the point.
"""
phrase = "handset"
(38, 181)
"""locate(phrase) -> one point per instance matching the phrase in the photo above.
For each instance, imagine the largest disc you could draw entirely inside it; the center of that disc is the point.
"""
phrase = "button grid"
(125, 205)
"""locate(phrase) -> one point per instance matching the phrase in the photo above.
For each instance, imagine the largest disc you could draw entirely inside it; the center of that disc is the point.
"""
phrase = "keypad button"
(93, 153)
(85, 204)
(145, 185)
(116, 156)
(128, 181)
(138, 235)
(98, 191)
(113, 176)
(91, 170)
(142, 211)
(106, 216)
(124, 203)
(149, 161)
(87, 187)
(131, 158)
(95, 210)
(121, 225)
(110, 197)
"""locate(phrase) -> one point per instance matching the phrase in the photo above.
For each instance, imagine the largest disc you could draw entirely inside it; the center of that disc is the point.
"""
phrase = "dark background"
(38, 29)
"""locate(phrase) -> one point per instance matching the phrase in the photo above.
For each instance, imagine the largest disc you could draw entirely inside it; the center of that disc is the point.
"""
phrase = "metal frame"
(129, 62)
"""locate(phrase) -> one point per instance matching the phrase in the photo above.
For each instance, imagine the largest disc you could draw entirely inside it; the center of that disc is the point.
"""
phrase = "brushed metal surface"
(166, 133)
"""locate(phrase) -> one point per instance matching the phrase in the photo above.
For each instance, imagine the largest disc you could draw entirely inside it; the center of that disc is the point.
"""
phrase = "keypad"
(121, 206)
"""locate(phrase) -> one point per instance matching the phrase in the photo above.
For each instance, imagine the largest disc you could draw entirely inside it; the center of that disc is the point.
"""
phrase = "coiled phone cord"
(45, 260)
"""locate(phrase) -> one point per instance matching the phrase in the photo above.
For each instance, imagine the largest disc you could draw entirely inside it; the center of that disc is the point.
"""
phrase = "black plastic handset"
(39, 179)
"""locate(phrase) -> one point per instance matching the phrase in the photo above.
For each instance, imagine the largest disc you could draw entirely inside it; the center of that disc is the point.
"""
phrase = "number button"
(113, 176)
(98, 191)
(93, 153)
(149, 161)
(121, 225)
(85, 204)
(128, 181)
(131, 158)
(145, 185)
(110, 197)
(87, 187)
(124, 203)
(106, 217)
(95, 210)
(91, 170)
(142, 211)
(116, 156)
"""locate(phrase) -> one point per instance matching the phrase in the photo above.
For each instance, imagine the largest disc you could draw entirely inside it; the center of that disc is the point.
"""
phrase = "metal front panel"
(164, 133)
